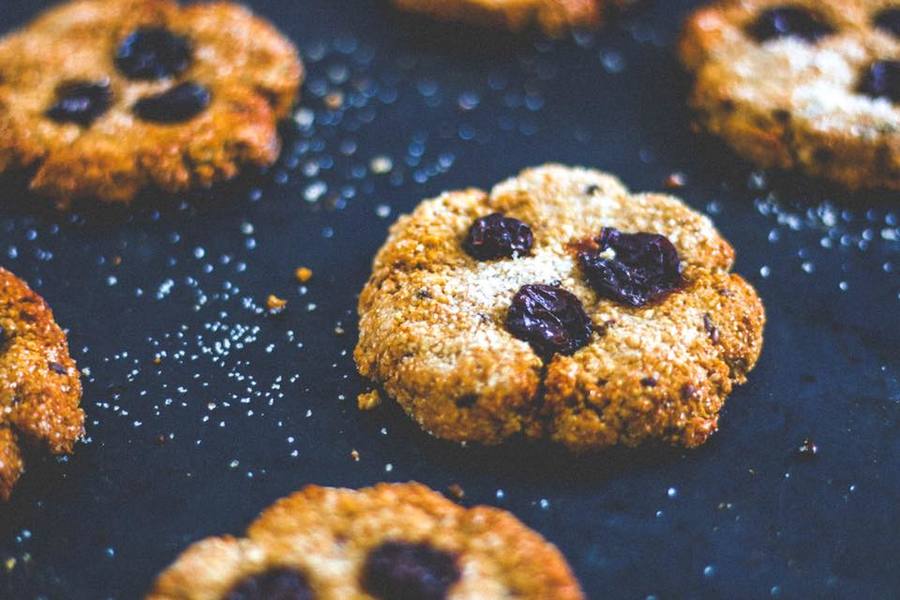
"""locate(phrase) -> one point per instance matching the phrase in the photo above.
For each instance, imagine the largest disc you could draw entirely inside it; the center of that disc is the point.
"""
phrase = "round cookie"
(103, 99)
(619, 323)
(812, 85)
(390, 542)
(553, 17)
(40, 388)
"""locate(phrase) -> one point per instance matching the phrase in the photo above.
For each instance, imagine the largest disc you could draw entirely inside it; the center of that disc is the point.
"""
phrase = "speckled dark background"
(244, 408)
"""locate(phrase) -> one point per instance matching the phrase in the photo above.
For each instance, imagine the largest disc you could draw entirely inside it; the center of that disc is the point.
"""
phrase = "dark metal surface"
(244, 408)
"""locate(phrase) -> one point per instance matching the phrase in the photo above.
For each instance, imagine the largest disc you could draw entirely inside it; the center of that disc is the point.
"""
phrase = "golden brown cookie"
(558, 306)
(553, 17)
(389, 542)
(812, 85)
(104, 98)
(40, 388)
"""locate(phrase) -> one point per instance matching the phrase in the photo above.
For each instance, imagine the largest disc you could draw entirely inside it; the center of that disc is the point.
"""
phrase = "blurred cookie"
(103, 99)
(391, 541)
(553, 17)
(40, 388)
(812, 85)
(558, 306)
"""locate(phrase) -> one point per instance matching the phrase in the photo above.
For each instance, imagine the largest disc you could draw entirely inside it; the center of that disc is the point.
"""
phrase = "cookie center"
(153, 53)
(181, 103)
(81, 102)
(789, 21)
(275, 584)
(549, 318)
(632, 268)
(498, 236)
(404, 571)
(889, 20)
(882, 80)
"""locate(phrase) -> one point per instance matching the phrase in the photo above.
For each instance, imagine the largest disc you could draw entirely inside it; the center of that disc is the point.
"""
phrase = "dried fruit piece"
(81, 102)
(153, 53)
(549, 318)
(789, 21)
(404, 571)
(181, 103)
(882, 80)
(632, 268)
(498, 236)
(275, 584)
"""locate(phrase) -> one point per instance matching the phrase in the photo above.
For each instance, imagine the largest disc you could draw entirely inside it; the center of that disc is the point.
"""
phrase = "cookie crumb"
(334, 100)
(354, 454)
(275, 304)
(675, 180)
(368, 400)
(10, 564)
(456, 491)
(303, 274)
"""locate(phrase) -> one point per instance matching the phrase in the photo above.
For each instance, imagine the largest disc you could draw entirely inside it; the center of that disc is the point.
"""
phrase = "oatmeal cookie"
(558, 306)
(812, 85)
(40, 388)
(553, 17)
(391, 541)
(103, 98)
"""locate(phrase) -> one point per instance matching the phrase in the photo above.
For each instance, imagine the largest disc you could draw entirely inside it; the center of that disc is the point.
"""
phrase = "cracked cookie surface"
(812, 85)
(434, 328)
(105, 98)
(390, 541)
(40, 387)
(553, 17)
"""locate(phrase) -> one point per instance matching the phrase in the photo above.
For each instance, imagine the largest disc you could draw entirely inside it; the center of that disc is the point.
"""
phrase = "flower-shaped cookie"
(812, 85)
(103, 98)
(40, 388)
(558, 306)
(391, 541)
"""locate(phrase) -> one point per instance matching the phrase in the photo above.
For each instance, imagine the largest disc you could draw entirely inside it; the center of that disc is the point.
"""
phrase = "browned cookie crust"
(798, 101)
(40, 388)
(249, 72)
(553, 17)
(321, 542)
(433, 333)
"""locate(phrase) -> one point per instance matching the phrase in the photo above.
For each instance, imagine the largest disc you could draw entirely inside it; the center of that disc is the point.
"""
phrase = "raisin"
(632, 268)
(549, 318)
(275, 584)
(81, 102)
(882, 80)
(406, 571)
(151, 53)
(181, 103)
(497, 236)
(789, 21)
(889, 20)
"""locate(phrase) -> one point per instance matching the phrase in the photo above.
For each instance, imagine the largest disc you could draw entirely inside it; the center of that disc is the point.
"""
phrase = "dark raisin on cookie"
(549, 318)
(151, 53)
(498, 236)
(406, 571)
(632, 268)
(788, 21)
(81, 102)
(888, 20)
(275, 584)
(882, 80)
(181, 103)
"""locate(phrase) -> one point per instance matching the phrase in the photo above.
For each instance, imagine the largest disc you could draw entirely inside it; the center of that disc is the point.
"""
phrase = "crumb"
(354, 454)
(10, 564)
(456, 491)
(275, 304)
(807, 449)
(157, 359)
(338, 330)
(334, 100)
(368, 400)
(676, 180)
(303, 274)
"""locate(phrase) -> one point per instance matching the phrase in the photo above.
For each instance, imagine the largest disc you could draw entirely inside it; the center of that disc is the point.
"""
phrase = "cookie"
(558, 306)
(391, 541)
(811, 85)
(553, 17)
(103, 99)
(40, 388)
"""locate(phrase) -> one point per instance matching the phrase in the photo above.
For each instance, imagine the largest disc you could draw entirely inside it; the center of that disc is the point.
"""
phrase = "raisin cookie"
(812, 85)
(104, 98)
(558, 306)
(391, 541)
(553, 17)
(40, 388)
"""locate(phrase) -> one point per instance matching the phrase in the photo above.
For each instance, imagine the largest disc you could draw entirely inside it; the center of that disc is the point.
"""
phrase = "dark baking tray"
(199, 443)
